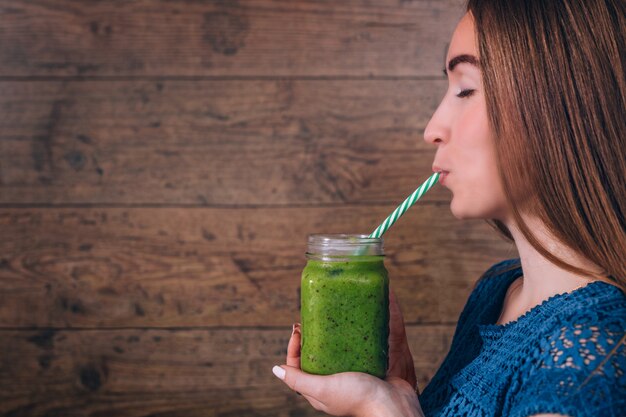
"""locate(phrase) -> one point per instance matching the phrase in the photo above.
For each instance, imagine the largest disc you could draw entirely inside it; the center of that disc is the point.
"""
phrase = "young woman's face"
(460, 130)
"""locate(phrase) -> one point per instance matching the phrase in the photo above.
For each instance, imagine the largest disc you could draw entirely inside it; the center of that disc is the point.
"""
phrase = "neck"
(542, 278)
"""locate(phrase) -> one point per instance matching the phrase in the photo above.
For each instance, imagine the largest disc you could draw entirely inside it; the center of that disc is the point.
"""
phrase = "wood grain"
(161, 164)
(218, 267)
(215, 142)
(141, 372)
(256, 38)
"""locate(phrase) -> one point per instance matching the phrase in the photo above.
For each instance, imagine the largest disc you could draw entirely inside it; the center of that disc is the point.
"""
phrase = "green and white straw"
(402, 208)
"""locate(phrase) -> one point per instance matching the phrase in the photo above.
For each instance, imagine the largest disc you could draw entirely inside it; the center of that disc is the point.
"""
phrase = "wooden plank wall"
(161, 164)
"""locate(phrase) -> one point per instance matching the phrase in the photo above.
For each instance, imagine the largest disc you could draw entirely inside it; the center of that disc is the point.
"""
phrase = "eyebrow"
(465, 58)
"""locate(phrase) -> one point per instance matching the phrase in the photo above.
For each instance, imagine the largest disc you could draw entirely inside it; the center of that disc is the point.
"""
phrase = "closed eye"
(465, 93)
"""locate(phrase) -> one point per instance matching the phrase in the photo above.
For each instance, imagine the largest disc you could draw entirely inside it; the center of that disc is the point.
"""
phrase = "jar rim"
(352, 238)
(343, 244)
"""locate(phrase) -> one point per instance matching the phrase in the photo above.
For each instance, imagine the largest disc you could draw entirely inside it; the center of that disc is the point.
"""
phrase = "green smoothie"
(345, 316)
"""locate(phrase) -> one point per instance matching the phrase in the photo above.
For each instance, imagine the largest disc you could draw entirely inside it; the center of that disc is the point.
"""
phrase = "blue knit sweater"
(543, 362)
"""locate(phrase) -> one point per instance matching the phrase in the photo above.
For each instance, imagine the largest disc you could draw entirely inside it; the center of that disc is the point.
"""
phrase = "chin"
(470, 211)
(458, 210)
(461, 215)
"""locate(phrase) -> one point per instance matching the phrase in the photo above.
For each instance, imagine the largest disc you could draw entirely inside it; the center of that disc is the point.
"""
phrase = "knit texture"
(552, 359)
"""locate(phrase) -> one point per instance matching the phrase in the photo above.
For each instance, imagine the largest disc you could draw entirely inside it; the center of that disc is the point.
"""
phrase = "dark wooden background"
(161, 164)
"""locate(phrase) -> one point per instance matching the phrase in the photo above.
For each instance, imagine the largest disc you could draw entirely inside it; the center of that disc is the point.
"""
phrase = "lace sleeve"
(578, 371)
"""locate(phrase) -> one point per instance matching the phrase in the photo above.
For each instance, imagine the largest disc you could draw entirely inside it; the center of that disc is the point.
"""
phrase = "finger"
(397, 332)
(394, 306)
(307, 384)
(318, 405)
(400, 358)
(293, 349)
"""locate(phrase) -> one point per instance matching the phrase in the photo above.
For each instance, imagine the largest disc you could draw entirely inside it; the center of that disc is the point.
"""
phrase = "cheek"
(479, 193)
(477, 150)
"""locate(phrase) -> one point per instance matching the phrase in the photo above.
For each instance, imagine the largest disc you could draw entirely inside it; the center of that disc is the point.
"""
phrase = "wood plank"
(140, 372)
(222, 38)
(167, 267)
(215, 142)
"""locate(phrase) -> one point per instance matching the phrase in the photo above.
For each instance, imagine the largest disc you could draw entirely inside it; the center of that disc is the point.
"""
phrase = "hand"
(354, 393)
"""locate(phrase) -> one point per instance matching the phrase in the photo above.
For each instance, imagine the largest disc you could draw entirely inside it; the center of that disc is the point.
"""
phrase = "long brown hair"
(553, 76)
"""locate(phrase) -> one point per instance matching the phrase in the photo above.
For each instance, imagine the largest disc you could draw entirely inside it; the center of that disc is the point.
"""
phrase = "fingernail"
(293, 329)
(296, 328)
(279, 372)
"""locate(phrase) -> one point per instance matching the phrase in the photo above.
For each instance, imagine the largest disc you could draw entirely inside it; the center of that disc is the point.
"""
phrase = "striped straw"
(402, 208)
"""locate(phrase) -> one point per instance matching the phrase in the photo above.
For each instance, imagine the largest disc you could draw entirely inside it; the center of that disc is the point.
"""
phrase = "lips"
(443, 173)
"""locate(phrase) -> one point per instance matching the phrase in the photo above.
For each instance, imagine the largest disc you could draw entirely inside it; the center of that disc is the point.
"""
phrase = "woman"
(529, 136)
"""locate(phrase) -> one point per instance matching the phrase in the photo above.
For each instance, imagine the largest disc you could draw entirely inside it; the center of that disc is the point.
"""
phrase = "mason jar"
(344, 306)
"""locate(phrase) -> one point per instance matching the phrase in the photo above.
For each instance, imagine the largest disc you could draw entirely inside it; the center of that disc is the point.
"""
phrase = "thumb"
(306, 384)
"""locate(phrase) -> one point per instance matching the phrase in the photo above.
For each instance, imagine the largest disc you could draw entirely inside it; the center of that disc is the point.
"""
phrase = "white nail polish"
(279, 372)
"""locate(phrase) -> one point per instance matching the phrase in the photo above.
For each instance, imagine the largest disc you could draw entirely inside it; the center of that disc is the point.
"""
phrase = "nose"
(437, 130)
